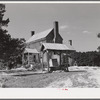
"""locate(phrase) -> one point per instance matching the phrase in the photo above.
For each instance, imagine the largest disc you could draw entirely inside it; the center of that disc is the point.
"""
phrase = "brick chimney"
(32, 33)
(56, 30)
(70, 42)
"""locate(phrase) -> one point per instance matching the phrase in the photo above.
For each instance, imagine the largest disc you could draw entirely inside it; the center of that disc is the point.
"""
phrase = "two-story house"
(34, 50)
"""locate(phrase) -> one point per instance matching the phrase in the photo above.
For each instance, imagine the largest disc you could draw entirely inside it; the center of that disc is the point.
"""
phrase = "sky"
(77, 22)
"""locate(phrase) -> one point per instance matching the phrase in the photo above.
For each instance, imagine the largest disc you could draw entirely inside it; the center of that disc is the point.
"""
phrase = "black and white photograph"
(50, 45)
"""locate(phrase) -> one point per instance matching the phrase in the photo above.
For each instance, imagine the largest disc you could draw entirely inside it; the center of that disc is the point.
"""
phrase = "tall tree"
(4, 38)
(10, 48)
(98, 35)
(3, 22)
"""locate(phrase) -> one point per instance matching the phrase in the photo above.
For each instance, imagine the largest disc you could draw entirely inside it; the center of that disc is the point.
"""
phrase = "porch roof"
(55, 46)
(28, 50)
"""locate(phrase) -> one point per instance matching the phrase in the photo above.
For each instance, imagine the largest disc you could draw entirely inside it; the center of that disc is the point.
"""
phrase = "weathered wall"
(58, 39)
(45, 60)
(34, 58)
(50, 37)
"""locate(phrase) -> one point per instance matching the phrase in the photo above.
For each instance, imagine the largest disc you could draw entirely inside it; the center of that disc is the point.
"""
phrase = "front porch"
(30, 56)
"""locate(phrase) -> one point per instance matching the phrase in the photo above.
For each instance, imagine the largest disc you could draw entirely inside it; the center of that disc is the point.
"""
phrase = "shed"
(52, 54)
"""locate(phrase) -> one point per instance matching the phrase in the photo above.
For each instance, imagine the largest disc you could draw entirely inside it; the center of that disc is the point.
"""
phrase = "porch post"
(60, 58)
(28, 58)
(39, 58)
(42, 60)
(23, 58)
(67, 62)
(47, 60)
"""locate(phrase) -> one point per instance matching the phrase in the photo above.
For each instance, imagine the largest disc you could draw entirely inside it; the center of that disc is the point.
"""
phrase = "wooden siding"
(50, 37)
(58, 39)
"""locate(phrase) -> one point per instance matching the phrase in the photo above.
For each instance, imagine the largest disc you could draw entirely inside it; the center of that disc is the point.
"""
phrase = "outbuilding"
(53, 56)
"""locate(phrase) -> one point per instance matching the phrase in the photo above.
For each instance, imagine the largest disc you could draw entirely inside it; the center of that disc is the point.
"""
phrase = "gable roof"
(55, 46)
(39, 36)
(28, 50)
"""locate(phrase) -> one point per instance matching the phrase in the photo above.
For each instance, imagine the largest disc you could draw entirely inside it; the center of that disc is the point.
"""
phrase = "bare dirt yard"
(77, 77)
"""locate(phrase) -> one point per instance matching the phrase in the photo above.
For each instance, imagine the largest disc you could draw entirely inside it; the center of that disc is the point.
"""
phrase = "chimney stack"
(32, 33)
(56, 29)
(70, 42)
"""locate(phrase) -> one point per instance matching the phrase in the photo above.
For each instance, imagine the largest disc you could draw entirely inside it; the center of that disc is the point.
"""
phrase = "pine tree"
(10, 48)
(98, 35)
(2, 21)
(4, 38)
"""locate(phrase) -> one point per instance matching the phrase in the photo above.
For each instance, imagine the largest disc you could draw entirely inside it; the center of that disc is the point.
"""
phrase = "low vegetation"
(91, 58)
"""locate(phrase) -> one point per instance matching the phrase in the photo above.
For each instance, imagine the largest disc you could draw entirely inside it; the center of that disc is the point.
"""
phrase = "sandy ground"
(88, 78)
(77, 77)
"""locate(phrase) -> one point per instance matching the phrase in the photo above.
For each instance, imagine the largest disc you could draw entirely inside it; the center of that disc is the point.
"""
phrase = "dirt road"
(86, 77)
(77, 77)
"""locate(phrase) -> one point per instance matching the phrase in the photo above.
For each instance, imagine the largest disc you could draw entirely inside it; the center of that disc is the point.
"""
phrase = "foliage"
(98, 35)
(10, 48)
(91, 58)
(14, 50)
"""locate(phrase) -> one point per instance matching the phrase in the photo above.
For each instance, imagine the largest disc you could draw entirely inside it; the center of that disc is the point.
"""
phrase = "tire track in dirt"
(80, 80)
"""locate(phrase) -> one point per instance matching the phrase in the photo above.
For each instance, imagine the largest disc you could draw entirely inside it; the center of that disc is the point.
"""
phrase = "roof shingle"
(56, 46)
(39, 36)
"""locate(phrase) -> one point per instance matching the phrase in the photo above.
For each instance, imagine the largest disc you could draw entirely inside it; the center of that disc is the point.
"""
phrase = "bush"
(3, 66)
(91, 58)
(38, 66)
(34, 67)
